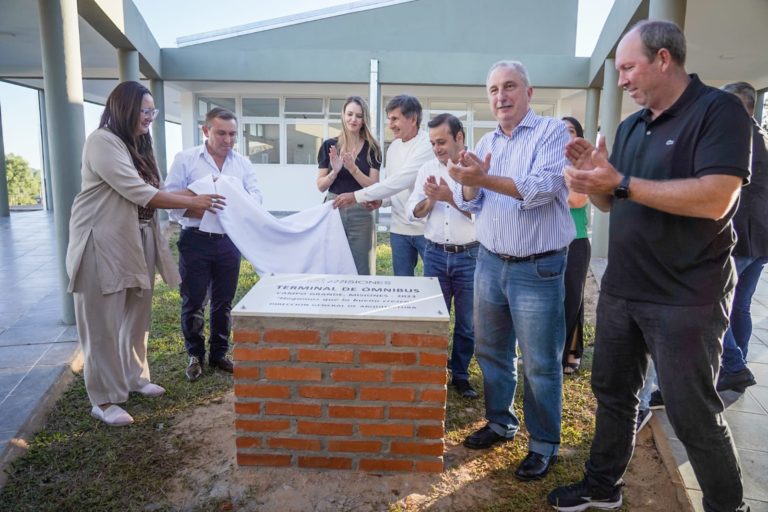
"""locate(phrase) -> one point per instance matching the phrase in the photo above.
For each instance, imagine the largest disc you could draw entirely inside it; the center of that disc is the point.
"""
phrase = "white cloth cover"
(308, 242)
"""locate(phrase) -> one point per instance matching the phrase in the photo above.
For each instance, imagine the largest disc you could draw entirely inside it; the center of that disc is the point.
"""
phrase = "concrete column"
(5, 210)
(590, 119)
(128, 64)
(158, 126)
(48, 190)
(669, 10)
(158, 132)
(610, 116)
(374, 95)
(62, 73)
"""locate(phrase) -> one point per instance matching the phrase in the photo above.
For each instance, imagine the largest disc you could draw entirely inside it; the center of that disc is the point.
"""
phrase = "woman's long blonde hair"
(374, 150)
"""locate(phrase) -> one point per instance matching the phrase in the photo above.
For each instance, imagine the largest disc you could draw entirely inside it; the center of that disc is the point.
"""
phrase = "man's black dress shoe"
(534, 467)
(224, 364)
(484, 438)
(464, 388)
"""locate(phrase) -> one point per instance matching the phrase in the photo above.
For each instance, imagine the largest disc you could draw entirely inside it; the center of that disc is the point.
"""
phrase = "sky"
(17, 104)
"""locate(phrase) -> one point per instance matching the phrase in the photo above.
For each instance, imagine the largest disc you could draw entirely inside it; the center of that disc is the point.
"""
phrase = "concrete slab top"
(338, 296)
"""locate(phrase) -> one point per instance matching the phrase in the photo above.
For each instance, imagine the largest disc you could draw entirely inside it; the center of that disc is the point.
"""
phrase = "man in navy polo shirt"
(671, 185)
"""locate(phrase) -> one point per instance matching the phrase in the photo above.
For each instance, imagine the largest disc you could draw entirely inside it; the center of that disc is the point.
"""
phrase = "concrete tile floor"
(36, 347)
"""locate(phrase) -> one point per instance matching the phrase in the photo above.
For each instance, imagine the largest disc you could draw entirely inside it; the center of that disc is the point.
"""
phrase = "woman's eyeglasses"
(150, 112)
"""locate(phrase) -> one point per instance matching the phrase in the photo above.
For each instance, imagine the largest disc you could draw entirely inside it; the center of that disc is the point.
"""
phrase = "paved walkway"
(36, 351)
(36, 348)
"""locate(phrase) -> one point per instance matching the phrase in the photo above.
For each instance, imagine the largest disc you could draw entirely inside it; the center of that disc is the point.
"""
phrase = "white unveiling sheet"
(308, 242)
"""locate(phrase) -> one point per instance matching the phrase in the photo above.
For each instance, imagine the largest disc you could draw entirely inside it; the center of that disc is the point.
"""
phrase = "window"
(303, 142)
(304, 108)
(206, 104)
(261, 107)
(478, 132)
(262, 143)
(482, 111)
(334, 107)
(457, 109)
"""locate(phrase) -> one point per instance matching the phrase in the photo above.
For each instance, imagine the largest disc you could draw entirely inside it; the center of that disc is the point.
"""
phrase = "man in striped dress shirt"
(514, 185)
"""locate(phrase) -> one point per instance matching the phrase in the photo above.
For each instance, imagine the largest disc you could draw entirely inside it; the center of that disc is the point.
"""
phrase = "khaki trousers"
(113, 330)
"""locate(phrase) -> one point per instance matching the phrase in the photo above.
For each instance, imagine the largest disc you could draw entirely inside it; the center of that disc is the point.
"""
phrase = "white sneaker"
(114, 415)
(151, 390)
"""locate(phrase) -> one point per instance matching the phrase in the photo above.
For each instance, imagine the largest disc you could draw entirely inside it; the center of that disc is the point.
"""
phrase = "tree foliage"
(23, 181)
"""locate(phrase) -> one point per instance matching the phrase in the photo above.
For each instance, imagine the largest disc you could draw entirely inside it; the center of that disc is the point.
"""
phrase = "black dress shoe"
(464, 388)
(484, 438)
(534, 467)
(223, 364)
(738, 381)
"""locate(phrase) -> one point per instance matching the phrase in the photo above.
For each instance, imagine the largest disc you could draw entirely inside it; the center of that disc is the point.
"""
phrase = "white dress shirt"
(403, 162)
(445, 224)
(196, 163)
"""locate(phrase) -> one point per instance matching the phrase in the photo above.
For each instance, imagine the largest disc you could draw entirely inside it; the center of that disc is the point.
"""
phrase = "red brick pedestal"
(340, 394)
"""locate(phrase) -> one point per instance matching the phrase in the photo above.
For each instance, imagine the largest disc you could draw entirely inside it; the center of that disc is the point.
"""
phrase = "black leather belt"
(532, 257)
(205, 233)
(455, 249)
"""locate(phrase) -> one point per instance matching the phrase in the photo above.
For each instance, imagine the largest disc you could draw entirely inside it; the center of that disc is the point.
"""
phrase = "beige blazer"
(106, 212)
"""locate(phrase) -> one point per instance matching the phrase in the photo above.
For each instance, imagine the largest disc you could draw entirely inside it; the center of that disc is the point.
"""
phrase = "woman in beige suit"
(115, 243)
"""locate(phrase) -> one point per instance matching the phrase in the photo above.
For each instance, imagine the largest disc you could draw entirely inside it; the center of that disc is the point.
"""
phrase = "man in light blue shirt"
(514, 185)
(208, 259)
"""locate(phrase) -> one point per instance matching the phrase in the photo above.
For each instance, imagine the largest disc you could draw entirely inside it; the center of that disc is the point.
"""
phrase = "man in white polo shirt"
(452, 246)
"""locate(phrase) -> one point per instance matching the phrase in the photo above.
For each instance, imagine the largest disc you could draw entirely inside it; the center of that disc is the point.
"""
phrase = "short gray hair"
(516, 65)
(657, 34)
(745, 92)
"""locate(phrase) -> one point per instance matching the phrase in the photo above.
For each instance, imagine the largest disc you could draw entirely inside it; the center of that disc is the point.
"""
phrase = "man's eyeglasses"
(149, 112)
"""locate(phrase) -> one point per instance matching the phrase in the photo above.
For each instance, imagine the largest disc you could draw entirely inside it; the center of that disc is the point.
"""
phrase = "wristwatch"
(622, 191)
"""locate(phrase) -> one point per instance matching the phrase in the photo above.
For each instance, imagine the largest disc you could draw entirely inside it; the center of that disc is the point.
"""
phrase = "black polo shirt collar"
(691, 92)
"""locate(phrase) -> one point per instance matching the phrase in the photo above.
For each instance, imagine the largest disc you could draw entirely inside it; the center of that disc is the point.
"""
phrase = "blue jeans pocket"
(548, 268)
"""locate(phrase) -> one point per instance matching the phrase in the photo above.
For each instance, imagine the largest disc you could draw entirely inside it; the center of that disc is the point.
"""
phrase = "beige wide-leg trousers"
(113, 329)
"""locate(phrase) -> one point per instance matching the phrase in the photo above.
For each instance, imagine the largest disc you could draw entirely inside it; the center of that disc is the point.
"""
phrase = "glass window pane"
(262, 143)
(460, 114)
(483, 111)
(447, 106)
(478, 132)
(304, 108)
(206, 104)
(261, 107)
(334, 108)
(303, 142)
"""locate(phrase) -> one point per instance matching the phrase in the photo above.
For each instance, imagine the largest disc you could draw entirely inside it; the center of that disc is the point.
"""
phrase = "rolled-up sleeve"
(472, 206)
(545, 181)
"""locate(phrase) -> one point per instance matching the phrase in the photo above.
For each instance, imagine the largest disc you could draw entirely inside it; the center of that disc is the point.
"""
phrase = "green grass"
(76, 463)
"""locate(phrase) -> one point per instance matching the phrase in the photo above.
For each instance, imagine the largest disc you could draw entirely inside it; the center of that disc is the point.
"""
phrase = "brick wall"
(340, 394)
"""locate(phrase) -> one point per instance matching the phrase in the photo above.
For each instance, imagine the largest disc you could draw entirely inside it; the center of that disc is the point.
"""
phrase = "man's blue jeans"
(736, 340)
(405, 252)
(521, 302)
(456, 274)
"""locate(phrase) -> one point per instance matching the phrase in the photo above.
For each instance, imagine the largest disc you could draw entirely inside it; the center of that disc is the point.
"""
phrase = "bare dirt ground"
(212, 481)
